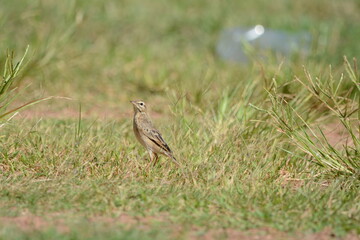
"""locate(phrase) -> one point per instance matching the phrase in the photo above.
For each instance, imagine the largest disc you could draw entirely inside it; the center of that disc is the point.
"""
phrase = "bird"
(148, 135)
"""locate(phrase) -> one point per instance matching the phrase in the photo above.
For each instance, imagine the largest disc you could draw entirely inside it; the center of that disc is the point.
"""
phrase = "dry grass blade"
(311, 139)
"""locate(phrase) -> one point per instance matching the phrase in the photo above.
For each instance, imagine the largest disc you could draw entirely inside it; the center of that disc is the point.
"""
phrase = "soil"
(30, 223)
(337, 135)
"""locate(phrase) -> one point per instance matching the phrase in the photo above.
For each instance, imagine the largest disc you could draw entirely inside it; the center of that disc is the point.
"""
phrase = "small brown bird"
(148, 135)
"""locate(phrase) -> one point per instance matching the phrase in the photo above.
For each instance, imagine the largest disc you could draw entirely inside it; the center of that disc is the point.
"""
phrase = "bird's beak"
(132, 102)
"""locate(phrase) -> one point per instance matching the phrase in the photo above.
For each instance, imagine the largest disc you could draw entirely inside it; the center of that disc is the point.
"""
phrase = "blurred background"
(79, 172)
(104, 53)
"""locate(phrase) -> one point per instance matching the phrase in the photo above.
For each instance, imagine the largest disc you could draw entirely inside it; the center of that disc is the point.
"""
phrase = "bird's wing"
(154, 135)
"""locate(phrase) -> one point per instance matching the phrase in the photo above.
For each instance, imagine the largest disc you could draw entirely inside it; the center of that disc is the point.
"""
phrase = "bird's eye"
(141, 104)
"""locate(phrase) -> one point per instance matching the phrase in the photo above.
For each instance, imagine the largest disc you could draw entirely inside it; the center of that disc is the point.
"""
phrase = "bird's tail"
(173, 159)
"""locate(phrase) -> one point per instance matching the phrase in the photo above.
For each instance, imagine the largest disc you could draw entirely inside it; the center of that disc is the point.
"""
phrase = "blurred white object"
(233, 41)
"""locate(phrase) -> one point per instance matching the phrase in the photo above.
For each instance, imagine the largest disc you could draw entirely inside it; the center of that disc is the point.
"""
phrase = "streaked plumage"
(148, 135)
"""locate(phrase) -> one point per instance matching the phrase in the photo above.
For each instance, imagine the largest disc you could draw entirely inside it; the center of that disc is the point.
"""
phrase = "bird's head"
(139, 106)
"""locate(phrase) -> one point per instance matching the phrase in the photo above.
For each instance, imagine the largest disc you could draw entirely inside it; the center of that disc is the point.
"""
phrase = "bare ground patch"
(268, 234)
(72, 112)
(28, 223)
(51, 111)
(337, 135)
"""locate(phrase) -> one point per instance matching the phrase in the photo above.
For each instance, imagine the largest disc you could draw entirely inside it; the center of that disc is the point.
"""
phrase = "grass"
(8, 87)
(254, 141)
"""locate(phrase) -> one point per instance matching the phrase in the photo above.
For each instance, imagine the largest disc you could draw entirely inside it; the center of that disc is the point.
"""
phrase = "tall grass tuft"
(11, 73)
(298, 118)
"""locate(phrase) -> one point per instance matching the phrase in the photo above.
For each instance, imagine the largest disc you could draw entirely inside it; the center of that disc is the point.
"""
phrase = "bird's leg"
(152, 156)
(156, 159)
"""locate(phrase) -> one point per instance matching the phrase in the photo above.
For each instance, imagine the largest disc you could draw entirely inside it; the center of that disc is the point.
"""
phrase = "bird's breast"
(137, 133)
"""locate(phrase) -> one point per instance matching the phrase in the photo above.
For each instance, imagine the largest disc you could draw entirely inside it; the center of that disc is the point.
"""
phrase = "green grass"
(81, 231)
(254, 141)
